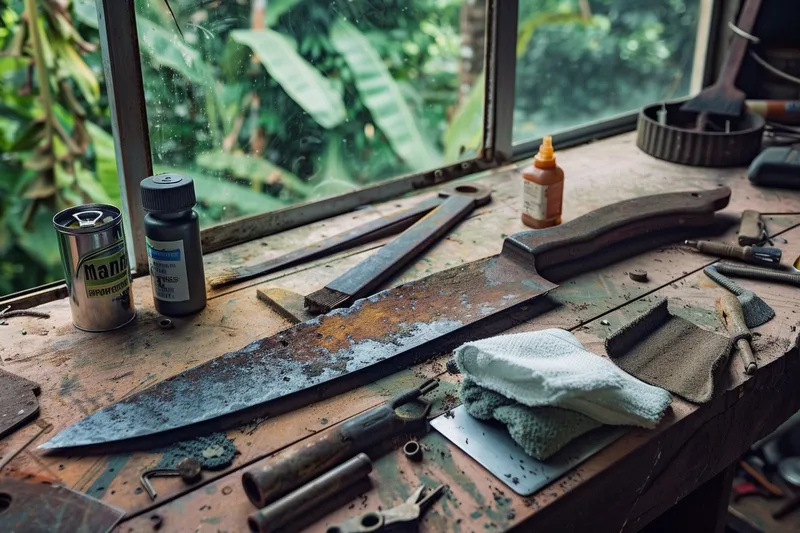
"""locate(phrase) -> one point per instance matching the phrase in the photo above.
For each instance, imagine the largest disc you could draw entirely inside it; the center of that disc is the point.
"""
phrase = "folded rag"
(540, 431)
(552, 368)
(670, 352)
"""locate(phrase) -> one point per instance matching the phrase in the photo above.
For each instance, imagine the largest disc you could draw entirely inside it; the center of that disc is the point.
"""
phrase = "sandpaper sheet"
(670, 352)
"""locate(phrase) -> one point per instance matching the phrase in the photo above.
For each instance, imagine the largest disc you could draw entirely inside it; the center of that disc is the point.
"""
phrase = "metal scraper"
(492, 447)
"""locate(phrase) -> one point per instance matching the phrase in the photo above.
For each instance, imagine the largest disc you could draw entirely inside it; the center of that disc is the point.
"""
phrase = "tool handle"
(754, 272)
(638, 224)
(751, 228)
(738, 48)
(730, 311)
(722, 249)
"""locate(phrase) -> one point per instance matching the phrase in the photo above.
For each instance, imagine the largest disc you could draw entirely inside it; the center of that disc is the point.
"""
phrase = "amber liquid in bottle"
(542, 189)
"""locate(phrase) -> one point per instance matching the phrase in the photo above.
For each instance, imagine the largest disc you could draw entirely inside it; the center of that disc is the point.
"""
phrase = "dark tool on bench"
(18, 403)
(362, 279)
(751, 228)
(760, 255)
(308, 498)
(392, 329)
(38, 506)
(755, 272)
(730, 311)
(308, 459)
(723, 98)
(406, 514)
(373, 230)
(789, 469)
(776, 166)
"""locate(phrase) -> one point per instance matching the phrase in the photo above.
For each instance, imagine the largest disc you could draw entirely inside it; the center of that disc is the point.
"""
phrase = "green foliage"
(56, 149)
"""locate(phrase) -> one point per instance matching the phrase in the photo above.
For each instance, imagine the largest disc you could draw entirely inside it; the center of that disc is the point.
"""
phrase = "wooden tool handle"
(751, 228)
(615, 225)
(732, 315)
(724, 249)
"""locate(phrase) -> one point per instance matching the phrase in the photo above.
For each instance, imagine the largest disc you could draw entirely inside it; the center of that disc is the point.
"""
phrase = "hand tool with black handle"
(730, 310)
(393, 329)
(310, 458)
(754, 254)
(362, 279)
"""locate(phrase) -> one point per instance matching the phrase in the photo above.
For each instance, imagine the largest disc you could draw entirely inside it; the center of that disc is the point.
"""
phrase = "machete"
(390, 330)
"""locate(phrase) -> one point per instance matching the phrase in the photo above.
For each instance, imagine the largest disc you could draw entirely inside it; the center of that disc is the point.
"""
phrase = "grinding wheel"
(679, 140)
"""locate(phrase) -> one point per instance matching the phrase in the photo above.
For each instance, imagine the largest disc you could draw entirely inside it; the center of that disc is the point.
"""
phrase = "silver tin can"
(96, 268)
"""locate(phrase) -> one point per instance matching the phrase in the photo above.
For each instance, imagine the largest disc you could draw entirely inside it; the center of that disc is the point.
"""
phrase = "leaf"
(308, 88)
(382, 96)
(332, 178)
(464, 135)
(39, 240)
(72, 63)
(528, 27)
(276, 8)
(254, 170)
(105, 163)
(219, 192)
(86, 12)
(89, 185)
(167, 49)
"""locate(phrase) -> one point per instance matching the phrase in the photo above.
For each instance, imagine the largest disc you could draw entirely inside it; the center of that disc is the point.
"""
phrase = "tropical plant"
(55, 149)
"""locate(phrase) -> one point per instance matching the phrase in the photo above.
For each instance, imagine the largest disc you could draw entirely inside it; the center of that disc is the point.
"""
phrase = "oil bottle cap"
(167, 193)
(546, 152)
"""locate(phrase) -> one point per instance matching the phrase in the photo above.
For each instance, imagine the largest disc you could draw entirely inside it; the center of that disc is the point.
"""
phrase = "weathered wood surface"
(80, 372)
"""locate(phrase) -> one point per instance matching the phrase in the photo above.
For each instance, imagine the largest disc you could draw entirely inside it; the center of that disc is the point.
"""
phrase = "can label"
(105, 271)
(168, 270)
(542, 202)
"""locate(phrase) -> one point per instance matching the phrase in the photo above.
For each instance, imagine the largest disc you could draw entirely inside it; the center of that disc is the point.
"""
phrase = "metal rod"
(310, 496)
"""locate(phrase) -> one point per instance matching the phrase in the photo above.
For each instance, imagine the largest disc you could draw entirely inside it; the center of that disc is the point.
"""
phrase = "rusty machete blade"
(388, 331)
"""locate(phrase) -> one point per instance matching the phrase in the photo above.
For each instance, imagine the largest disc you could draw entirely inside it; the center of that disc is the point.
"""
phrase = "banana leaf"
(381, 94)
(308, 88)
(253, 169)
(167, 48)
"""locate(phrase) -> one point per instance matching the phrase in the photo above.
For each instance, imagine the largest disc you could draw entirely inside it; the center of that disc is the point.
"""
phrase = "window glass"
(56, 148)
(272, 103)
(583, 60)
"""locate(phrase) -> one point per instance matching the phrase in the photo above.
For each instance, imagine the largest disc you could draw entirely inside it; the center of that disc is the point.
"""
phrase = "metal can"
(96, 268)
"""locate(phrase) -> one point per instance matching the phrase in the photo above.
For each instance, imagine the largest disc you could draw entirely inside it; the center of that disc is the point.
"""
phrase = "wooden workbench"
(622, 488)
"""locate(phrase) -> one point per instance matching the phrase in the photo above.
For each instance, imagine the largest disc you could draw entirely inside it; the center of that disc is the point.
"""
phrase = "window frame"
(122, 61)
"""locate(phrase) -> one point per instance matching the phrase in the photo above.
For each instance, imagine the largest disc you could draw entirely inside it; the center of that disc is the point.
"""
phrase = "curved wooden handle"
(612, 225)
(732, 315)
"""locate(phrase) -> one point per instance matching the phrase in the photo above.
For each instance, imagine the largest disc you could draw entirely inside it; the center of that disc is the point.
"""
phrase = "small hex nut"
(189, 469)
(638, 275)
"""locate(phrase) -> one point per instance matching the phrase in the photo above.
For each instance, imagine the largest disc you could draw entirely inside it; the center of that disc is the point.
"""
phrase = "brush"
(756, 311)
(723, 98)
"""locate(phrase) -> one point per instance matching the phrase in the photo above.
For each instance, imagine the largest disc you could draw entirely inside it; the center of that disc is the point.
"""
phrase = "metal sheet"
(18, 402)
(43, 507)
(492, 447)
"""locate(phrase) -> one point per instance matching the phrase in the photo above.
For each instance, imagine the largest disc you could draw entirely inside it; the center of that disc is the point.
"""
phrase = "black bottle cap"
(167, 193)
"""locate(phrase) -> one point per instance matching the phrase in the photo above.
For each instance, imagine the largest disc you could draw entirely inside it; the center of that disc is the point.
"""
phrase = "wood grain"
(81, 372)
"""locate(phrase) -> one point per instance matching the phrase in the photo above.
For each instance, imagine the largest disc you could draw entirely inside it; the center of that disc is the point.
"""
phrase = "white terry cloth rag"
(551, 367)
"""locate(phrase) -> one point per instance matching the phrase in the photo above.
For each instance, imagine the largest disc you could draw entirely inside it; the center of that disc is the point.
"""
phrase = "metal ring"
(741, 33)
(413, 451)
(165, 323)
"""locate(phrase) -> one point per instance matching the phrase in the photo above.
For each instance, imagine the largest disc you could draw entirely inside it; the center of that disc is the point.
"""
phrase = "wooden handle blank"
(731, 312)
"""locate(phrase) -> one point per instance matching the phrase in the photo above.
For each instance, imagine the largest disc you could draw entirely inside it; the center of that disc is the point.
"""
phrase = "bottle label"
(168, 270)
(106, 271)
(542, 202)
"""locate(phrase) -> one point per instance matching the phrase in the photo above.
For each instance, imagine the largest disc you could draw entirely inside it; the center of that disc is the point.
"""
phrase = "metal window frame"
(123, 73)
